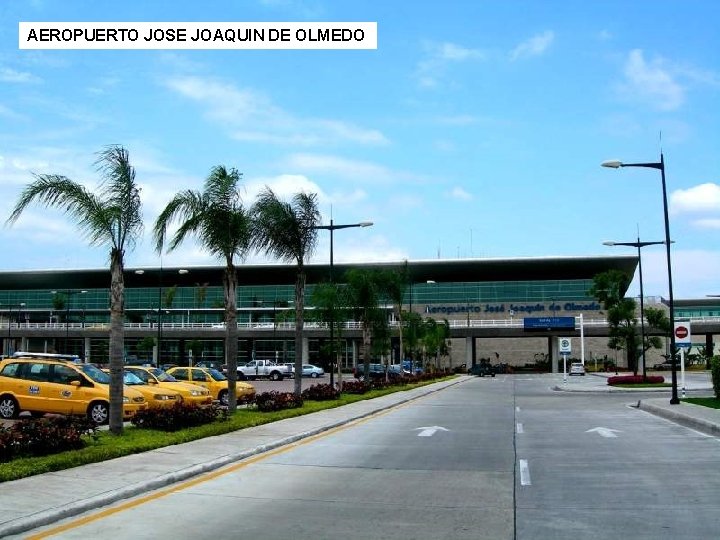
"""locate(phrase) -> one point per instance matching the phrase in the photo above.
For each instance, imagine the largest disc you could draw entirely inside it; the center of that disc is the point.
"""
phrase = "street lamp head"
(608, 243)
(366, 224)
(612, 163)
(183, 271)
(140, 272)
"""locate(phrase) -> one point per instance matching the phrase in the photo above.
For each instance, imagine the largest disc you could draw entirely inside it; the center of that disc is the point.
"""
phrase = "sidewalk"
(44, 499)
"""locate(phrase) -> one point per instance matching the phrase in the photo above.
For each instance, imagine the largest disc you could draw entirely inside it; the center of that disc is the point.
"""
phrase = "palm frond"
(55, 191)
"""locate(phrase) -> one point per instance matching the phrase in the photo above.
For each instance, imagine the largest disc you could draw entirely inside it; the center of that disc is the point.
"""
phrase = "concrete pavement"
(47, 498)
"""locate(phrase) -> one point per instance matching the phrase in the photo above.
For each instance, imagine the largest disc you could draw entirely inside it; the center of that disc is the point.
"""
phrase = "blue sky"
(476, 129)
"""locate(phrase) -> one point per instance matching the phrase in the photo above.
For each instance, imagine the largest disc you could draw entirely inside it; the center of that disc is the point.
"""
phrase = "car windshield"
(162, 376)
(95, 374)
(131, 379)
(215, 374)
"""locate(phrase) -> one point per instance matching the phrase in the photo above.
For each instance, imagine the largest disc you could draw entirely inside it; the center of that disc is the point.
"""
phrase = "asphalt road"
(495, 458)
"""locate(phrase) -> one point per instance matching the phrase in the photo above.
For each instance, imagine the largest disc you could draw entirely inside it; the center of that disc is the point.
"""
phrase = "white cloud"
(11, 76)
(348, 168)
(710, 223)
(650, 82)
(439, 56)
(459, 193)
(238, 108)
(535, 46)
(701, 198)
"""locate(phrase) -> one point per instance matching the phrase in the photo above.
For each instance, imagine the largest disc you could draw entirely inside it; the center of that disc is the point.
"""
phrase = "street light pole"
(639, 245)
(615, 164)
(332, 227)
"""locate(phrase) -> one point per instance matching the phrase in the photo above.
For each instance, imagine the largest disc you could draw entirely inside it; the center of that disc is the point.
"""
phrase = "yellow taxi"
(155, 396)
(214, 381)
(188, 392)
(46, 383)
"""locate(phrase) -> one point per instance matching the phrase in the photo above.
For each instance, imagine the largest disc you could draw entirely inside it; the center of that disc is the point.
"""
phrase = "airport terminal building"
(487, 303)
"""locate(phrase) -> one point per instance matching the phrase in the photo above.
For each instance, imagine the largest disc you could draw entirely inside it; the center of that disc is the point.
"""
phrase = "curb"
(698, 424)
(48, 517)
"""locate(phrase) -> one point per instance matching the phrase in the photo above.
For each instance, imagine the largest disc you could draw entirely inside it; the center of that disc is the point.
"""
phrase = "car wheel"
(224, 399)
(275, 376)
(9, 407)
(98, 412)
(241, 376)
(314, 375)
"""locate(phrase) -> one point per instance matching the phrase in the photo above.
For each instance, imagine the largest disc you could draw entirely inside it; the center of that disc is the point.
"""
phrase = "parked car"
(154, 395)
(46, 384)
(262, 369)
(308, 370)
(576, 368)
(377, 372)
(290, 369)
(189, 392)
(215, 382)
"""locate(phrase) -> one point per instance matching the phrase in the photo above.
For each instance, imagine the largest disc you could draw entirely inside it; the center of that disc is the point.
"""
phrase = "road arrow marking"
(604, 432)
(430, 431)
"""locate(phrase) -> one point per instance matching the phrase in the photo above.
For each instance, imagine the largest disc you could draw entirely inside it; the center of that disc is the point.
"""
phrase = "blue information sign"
(548, 323)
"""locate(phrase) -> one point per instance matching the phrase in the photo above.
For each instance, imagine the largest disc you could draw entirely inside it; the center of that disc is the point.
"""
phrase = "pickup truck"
(262, 369)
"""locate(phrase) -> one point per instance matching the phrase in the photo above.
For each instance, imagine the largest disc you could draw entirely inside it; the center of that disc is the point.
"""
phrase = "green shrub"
(44, 436)
(715, 372)
(180, 416)
(277, 401)
(354, 387)
(320, 392)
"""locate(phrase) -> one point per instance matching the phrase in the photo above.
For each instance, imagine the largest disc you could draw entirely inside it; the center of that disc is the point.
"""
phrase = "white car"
(312, 371)
(576, 368)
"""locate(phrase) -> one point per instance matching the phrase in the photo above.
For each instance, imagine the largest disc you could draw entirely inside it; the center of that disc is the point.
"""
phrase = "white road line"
(519, 427)
(524, 473)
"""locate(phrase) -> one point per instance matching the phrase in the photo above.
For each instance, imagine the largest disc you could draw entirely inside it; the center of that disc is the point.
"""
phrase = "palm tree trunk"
(366, 351)
(299, 328)
(117, 341)
(231, 331)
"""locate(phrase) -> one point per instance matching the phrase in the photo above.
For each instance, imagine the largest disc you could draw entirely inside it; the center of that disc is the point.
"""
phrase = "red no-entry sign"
(682, 334)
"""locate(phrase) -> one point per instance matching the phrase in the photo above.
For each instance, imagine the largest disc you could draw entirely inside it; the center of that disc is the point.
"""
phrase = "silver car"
(309, 370)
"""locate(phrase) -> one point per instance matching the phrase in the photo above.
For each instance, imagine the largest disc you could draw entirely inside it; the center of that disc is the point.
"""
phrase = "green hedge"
(715, 371)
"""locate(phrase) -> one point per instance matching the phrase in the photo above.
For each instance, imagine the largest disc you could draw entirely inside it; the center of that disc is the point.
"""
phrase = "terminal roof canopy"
(448, 270)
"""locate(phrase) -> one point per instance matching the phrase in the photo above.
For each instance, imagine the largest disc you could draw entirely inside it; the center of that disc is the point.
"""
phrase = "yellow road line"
(80, 522)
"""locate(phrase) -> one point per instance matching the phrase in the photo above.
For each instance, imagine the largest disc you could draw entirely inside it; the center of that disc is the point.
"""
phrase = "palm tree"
(364, 288)
(394, 285)
(288, 231)
(112, 218)
(217, 218)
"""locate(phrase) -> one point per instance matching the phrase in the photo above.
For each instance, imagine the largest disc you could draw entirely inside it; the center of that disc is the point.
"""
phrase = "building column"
(24, 343)
(87, 350)
(469, 353)
(709, 349)
(306, 349)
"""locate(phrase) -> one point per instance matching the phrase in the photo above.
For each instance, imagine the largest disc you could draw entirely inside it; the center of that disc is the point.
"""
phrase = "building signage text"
(514, 309)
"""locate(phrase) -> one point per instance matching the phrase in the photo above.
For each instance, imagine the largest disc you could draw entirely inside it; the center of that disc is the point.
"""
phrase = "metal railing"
(289, 325)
